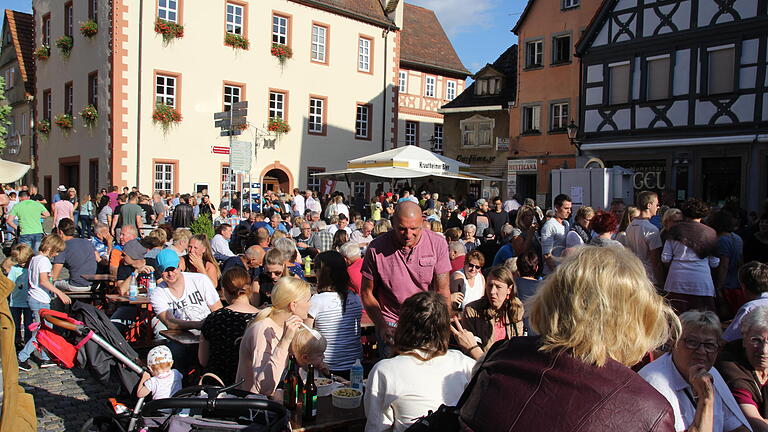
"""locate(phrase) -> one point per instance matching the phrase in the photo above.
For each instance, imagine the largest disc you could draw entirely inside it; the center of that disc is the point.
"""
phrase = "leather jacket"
(520, 389)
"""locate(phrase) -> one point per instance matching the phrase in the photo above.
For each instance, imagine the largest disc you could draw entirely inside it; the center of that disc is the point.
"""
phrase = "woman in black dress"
(223, 329)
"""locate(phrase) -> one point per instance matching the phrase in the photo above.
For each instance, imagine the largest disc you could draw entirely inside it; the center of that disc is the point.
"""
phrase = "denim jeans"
(86, 222)
(33, 240)
(21, 328)
(29, 347)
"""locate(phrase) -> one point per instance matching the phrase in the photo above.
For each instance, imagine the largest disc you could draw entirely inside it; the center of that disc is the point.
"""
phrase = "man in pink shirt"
(400, 263)
(113, 197)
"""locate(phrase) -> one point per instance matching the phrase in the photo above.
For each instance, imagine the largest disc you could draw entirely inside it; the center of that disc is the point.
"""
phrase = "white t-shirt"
(474, 292)
(298, 205)
(688, 274)
(341, 330)
(193, 305)
(39, 264)
(164, 385)
(404, 388)
(642, 238)
(312, 204)
(333, 228)
(553, 240)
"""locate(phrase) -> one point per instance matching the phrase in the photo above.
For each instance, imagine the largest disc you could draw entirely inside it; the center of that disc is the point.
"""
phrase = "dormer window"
(488, 86)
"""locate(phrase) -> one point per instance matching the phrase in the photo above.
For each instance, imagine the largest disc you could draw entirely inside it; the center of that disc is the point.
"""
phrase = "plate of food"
(346, 398)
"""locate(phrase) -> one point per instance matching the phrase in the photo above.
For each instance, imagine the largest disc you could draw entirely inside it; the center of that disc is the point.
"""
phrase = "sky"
(478, 29)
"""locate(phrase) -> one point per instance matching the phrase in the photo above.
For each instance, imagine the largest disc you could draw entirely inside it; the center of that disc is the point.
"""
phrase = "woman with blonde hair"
(596, 315)
(267, 340)
(381, 227)
(199, 258)
(629, 214)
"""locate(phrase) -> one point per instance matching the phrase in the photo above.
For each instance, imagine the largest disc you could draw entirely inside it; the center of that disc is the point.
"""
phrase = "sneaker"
(25, 366)
(47, 364)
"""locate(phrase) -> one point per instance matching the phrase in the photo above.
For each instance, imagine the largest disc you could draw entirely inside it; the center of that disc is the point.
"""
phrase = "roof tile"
(424, 42)
(22, 26)
(505, 64)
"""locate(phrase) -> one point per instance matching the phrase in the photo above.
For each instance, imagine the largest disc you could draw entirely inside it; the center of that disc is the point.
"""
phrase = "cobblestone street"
(65, 399)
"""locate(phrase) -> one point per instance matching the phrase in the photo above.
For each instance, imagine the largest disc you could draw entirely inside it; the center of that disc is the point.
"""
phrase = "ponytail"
(262, 315)
(286, 291)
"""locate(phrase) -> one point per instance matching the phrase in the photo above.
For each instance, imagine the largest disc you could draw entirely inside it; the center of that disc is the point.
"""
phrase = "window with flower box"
(277, 102)
(46, 30)
(235, 19)
(47, 104)
(165, 90)
(93, 89)
(68, 98)
(68, 19)
(168, 10)
(280, 28)
(319, 43)
(93, 10)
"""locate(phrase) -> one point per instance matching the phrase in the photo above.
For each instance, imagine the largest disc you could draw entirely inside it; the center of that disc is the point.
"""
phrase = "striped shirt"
(341, 330)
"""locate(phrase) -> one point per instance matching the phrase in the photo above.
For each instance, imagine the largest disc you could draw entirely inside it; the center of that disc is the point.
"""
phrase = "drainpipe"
(138, 95)
(384, 87)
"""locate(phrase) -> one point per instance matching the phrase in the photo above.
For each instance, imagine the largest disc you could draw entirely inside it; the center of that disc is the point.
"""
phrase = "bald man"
(400, 263)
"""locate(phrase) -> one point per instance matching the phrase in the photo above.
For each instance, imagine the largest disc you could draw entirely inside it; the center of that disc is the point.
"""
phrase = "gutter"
(465, 73)
(138, 96)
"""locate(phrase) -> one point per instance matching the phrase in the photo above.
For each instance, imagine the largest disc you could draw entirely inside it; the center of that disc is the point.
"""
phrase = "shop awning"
(12, 171)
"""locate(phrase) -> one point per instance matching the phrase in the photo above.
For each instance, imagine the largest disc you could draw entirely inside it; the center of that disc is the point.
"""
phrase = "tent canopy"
(402, 163)
(12, 171)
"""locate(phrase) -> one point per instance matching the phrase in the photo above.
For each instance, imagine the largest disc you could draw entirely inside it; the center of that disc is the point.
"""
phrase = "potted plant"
(64, 44)
(89, 28)
(43, 128)
(236, 41)
(42, 53)
(64, 121)
(89, 114)
(169, 30)
(166, 116)
(203, 225)
(278, 126)
(282, 52)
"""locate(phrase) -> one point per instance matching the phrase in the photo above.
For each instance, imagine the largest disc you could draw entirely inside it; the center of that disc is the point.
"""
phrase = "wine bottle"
(309, 394)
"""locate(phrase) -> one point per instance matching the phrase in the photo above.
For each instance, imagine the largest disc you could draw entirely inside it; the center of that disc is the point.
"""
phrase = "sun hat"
(159, 354)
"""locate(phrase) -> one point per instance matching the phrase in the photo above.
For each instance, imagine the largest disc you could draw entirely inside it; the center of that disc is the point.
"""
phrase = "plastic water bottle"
(152, 285)
(356, 375)
(307, 265)
(133, 290)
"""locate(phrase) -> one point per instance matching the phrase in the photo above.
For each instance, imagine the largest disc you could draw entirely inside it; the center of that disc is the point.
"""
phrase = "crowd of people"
(570, 316)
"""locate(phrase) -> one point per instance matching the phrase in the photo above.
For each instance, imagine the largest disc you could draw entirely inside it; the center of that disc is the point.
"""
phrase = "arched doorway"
(276, 180)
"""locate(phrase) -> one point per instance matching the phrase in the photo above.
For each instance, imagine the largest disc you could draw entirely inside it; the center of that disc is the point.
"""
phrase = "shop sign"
(468, 159)
(522, 165)
(502, 143)
(649, 175)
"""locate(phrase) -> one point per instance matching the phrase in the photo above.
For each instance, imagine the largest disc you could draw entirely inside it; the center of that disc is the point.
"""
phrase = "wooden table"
(330, 418)
(184, 337)
(141, 299)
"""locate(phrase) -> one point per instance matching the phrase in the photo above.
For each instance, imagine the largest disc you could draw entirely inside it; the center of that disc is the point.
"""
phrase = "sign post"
(232, 123)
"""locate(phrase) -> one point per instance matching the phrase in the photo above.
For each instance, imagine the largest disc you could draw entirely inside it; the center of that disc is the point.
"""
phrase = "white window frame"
(429, 86)
(280, 29)
(363, 122)
(69, 16)
(162, 95)
(358, 188)
(168, 10)
(319, 41)
(69, 98)
(567, 4)
(450, 90)
(232, 94)
(363, 54)
(277, 105)
(555, 40)
(228, 182)
(316, 110)
(313, 182)
(558, 120)
(403, 81)
(538, 54)
(476, 132)
(437, 136)
(411, 133)
(46, 30)
(237, 11)
(165, 182)
(531, 119)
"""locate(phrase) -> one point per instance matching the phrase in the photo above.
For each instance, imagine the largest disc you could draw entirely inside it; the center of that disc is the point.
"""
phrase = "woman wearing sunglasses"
(496, 316)
(468, 283)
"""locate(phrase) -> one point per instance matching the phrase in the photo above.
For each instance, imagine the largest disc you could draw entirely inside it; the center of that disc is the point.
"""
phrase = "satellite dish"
(594, 163)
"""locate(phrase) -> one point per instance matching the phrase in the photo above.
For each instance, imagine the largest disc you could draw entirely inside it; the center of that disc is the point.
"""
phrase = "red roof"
(367, 10)
(22, 26)
(423, 43)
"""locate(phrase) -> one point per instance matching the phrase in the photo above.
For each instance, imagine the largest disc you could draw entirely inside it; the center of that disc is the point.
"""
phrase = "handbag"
(446, 418)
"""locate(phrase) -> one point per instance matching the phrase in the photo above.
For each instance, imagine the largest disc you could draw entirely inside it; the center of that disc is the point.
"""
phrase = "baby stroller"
(203, 407)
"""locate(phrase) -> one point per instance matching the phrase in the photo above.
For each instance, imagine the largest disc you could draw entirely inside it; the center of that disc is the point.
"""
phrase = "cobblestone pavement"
(65, 399)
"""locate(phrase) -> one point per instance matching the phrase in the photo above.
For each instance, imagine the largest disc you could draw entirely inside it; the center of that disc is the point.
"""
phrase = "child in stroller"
(165, 380)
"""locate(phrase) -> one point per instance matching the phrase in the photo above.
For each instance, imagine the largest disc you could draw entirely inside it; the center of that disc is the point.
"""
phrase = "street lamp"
(573, 130)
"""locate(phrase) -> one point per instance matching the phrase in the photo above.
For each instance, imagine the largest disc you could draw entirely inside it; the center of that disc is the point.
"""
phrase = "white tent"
(407, 162)
(12, 171)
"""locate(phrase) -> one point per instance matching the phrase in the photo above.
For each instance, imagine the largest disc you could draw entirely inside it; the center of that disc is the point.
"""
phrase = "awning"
(12, 171)
(671, 142)
(388, 173)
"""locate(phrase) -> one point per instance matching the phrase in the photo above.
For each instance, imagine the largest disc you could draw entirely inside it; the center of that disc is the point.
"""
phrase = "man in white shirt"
(311, 203)
(553, 233)
(343, 224)
(511, 204)
(299, 204)
(643, 237)
(363, 236)
(220, 242)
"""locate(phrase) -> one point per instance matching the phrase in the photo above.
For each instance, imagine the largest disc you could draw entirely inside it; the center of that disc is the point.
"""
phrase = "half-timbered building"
(677, 90)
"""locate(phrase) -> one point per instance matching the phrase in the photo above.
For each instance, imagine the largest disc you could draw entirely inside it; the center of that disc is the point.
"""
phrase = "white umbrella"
(12, 171)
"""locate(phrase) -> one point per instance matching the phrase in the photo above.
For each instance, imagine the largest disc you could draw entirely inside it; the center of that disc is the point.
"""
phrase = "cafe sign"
(522, 165)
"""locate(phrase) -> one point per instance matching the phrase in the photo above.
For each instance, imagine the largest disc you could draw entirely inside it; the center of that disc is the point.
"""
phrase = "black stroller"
(208, 408)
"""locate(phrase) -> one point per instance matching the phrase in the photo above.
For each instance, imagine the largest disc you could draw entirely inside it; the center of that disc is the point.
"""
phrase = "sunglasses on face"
(276, 273)
(474, 266)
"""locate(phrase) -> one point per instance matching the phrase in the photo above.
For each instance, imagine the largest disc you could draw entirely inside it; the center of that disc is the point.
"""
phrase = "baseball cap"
(480, 202)
(62, 188)
(134, 249)
(389, 194)
(159, 354)
(167, 259)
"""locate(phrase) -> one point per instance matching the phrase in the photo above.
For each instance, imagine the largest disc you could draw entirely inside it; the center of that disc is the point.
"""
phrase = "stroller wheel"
(102, 424)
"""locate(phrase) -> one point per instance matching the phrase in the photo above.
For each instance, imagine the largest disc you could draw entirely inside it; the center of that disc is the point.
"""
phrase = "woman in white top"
(689, 253)
(424, 375)
(580, 233)
(336, 312)
(468, 283)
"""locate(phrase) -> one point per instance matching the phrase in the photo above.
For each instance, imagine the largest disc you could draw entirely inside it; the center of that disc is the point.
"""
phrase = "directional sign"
(240, 156)
(220, 115)
(230, 133)
(220, 150)
(238, 105)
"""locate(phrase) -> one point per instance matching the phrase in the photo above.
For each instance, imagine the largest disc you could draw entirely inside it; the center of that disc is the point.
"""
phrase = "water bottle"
(133, 290)
(152, 285)
(307, 265)
(356, 375)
